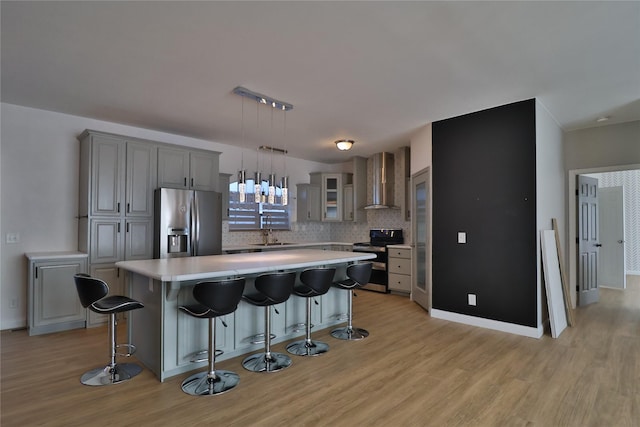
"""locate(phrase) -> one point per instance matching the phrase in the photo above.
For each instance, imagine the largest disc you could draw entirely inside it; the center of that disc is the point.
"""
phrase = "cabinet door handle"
(127, 227)
(185, 181)
(118, 227)
(118, 207)
(192, 182)
(36, 271)
(128, 207)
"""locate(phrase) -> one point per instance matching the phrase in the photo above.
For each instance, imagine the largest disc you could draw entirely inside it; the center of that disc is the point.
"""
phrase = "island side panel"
(145, 324)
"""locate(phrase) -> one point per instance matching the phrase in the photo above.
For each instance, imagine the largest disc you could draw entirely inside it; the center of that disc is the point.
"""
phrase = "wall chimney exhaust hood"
(382, 182)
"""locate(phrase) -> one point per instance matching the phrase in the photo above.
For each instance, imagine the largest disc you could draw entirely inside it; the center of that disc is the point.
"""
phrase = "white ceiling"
(370, 71)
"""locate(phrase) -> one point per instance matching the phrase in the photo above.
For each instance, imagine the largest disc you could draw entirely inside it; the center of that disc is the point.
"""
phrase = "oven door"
(379, 280)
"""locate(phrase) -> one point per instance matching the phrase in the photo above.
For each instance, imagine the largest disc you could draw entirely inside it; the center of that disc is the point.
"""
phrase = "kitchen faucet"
(267, 233)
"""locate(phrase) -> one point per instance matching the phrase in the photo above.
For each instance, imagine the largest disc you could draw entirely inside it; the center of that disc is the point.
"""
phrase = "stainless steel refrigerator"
(187, 223)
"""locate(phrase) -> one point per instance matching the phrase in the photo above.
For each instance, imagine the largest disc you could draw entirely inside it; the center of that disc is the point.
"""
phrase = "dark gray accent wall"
(484, 184)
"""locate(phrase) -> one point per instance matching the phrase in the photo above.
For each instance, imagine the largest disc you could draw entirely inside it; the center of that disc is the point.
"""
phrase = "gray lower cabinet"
(399, 263)
(53, 303)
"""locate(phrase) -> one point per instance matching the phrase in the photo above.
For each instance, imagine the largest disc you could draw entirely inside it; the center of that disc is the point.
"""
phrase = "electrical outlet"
(12, 238)
(462, 237)
(471, 299)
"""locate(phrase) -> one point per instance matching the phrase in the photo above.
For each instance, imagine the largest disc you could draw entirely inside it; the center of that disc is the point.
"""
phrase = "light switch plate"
(471, 299)
(462, 237)
(12, 238)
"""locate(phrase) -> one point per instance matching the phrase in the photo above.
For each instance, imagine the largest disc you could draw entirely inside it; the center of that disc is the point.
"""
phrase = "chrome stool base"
(201, 384)
(261, 363)
(106, 376)
(350, 334)
(305, 348)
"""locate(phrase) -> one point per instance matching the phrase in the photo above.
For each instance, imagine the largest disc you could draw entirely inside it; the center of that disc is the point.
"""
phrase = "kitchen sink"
(272, 244)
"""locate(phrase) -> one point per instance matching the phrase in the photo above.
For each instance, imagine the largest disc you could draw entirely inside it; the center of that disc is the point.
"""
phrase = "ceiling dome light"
(344, 144)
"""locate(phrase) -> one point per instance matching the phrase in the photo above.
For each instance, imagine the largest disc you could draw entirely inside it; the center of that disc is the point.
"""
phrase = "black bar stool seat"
(214, 299)
(93, 295)
(315, 282)
(358, 275)
(270, 289)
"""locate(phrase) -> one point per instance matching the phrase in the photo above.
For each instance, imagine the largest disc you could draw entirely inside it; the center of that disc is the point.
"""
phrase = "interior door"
(588, 240)
(612, 253)
(420, 238)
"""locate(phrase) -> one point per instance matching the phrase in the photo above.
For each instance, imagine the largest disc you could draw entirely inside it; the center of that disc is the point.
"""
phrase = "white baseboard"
(496, 325)
(13, 324)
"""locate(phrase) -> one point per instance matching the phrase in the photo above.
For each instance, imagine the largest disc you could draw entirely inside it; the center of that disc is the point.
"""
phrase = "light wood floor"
(412, 371)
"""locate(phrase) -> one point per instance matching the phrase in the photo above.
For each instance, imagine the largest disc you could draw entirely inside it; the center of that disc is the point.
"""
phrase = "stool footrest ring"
(131, 347)
(259, 338)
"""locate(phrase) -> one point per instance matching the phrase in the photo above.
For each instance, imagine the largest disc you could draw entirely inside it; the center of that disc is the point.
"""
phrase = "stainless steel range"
(377, 244)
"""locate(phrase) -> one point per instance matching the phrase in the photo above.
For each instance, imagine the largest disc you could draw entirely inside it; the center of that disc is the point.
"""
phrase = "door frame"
(571, 219)
(420, 299)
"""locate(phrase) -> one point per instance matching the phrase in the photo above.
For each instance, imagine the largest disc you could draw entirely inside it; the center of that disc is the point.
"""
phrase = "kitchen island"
(166, 339)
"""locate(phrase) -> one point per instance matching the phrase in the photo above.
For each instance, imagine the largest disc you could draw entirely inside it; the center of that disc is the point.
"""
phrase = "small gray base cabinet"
(399, 268)
(53, 303)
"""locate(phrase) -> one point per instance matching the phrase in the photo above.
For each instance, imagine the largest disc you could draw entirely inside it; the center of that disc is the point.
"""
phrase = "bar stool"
(214, 299)
(315, 282)
(93, 295)
(271, 289)
(358, 275)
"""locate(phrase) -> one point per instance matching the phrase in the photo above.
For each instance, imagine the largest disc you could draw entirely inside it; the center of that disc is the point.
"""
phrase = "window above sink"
(256, 216)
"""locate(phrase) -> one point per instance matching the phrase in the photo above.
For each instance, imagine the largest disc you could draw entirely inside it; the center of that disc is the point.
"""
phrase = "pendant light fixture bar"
(272, 149)
(262, 99)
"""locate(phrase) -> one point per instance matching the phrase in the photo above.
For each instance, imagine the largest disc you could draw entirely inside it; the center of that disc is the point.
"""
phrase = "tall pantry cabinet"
(117, 179)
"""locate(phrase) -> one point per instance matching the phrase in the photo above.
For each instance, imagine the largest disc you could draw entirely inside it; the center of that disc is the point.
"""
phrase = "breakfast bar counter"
(166, 339)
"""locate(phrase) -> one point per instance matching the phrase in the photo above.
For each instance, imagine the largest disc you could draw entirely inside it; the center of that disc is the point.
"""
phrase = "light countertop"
(36, 256)
(203, 267)
(399, 246)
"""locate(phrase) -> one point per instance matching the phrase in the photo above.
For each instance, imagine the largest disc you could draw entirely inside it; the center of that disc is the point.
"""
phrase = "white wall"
(421, 149)
(599, 149)
(550, 190)
(629, 180)
(603, 146)
(39, 187)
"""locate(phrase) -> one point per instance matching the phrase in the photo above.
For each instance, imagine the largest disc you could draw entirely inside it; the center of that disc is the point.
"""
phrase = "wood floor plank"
(411, 371)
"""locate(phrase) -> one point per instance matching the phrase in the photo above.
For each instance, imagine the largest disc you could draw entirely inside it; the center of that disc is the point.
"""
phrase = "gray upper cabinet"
(204, 168)
(196, 170)
(140, 179)
(107, 157)
(308, 202)
(355, 192)
(117, 176)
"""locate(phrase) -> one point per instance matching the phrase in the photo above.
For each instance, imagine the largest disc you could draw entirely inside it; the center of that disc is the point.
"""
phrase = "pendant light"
(257, 182)
(242, 174)
(284, 184)
(271, 195)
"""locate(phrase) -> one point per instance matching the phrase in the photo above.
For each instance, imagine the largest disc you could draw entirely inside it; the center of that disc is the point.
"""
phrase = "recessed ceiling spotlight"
(602, 119)
(344, 144)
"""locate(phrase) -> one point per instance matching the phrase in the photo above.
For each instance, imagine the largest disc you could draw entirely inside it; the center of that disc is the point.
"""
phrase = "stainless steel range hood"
(382, 176)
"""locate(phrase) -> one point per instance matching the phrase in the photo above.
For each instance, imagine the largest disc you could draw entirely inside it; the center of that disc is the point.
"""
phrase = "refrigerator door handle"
(195, 226)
